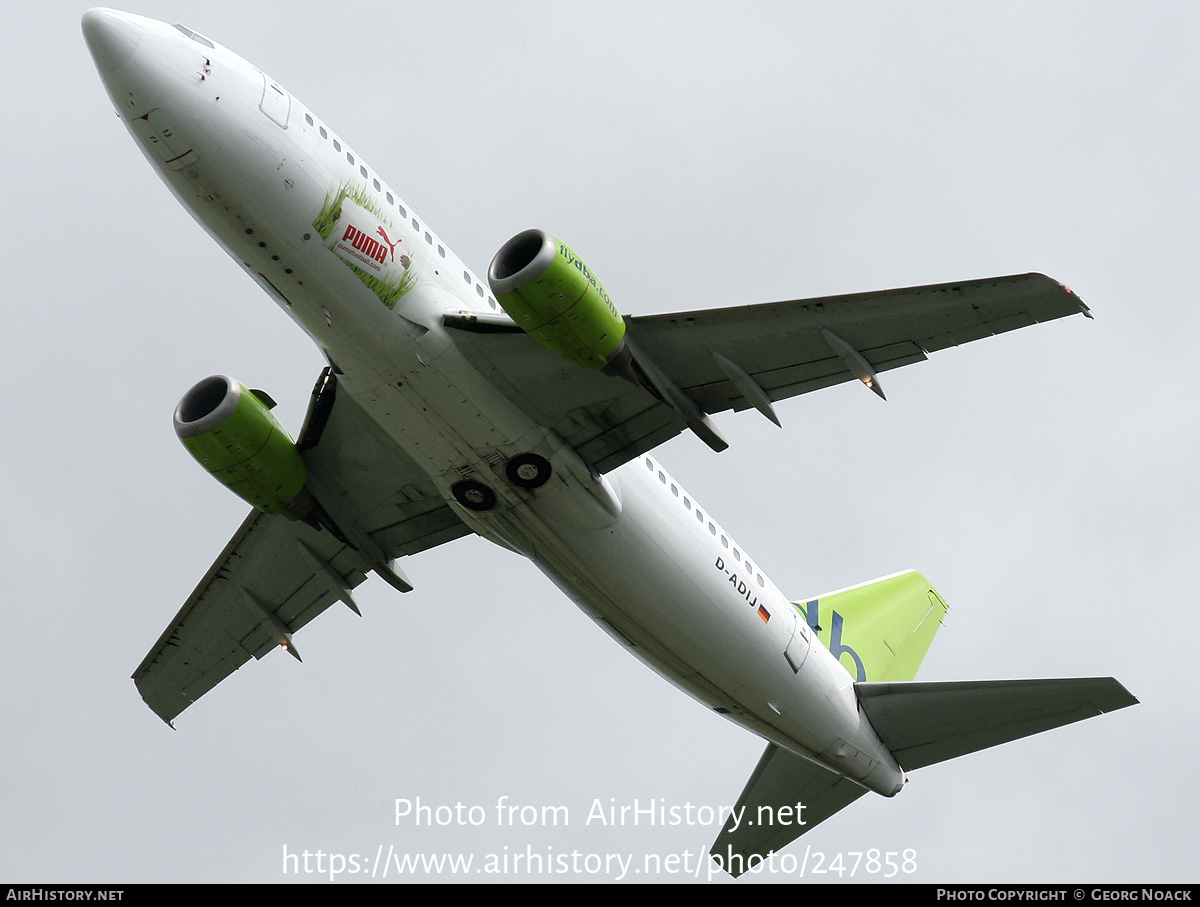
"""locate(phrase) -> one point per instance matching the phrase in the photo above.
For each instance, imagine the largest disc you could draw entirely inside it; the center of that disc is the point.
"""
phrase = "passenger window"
(479, 291)
(308, 119)
(350, 157)
(441, 251)
(375, 183)
(337, 146)
(363, 171)
(391, 201)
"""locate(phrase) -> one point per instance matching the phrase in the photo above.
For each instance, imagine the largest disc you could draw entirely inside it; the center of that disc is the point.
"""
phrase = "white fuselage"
(632, 549)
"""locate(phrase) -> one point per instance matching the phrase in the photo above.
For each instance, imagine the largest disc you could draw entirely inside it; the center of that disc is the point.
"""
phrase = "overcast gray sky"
(696, 155)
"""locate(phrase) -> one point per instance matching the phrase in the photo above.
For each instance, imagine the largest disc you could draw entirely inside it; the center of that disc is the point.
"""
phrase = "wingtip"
(1121, 697)
(1083, 306)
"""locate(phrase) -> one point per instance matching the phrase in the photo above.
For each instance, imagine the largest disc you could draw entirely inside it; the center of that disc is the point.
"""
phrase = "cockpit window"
(200, 39)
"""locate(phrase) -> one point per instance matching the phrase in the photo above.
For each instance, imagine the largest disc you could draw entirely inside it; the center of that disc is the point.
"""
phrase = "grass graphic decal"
(354, 228)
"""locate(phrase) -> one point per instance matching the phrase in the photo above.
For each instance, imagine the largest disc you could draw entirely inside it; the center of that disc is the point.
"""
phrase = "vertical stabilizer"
(878, 630)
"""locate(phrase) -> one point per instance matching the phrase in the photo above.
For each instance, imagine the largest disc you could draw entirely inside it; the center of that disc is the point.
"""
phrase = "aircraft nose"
(111, 37)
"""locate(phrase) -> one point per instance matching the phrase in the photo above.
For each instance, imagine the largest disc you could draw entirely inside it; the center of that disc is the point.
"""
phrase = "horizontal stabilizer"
(926, 723)
(769, 816)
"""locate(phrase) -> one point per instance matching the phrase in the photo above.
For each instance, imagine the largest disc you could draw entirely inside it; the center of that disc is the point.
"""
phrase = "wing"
(736, 358)
(276, 575)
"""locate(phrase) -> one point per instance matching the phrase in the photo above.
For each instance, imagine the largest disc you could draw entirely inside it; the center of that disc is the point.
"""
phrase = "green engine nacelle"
(235, 436)
(548, 290)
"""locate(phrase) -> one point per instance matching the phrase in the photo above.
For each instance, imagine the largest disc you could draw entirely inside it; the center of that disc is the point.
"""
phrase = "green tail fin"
(880, 630)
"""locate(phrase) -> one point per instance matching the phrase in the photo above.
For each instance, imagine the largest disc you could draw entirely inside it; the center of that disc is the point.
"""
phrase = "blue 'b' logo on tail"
(812, 614)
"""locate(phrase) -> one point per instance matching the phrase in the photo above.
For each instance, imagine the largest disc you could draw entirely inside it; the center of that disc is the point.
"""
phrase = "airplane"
(525, 409)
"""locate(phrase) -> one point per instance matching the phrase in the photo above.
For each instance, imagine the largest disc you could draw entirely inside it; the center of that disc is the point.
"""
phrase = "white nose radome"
(112, 37)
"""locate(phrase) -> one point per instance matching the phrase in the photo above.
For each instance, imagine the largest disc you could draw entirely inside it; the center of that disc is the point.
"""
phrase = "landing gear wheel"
(528, 471)
(474, 495)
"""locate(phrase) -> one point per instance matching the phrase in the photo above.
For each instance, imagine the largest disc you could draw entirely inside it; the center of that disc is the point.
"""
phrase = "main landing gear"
(527, 471)
(474, 495)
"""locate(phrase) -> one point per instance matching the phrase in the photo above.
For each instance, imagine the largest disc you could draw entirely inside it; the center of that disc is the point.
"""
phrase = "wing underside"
(784, 348)
(262, 587)
(276, 574)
